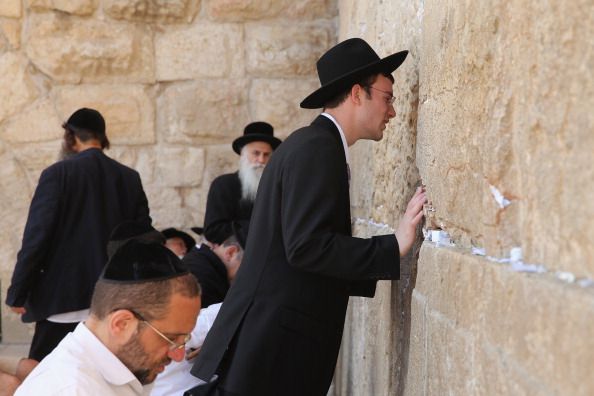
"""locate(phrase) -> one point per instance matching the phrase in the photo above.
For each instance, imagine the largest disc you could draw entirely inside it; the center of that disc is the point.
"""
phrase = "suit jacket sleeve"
(313, 209)
(43, 215)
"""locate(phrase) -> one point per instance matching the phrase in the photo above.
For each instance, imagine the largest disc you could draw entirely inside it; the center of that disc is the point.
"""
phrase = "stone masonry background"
(495, 96)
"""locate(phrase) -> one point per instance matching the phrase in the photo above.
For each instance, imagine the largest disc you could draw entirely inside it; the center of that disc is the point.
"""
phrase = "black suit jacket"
(76, 204)
(224, 203)
(211, 273)
(280, 327)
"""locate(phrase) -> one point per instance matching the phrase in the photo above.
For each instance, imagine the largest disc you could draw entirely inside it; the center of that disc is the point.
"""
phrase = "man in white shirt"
(142, 312)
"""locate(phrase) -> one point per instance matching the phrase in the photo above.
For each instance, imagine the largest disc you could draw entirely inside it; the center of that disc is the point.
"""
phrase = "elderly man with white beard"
(231, 196)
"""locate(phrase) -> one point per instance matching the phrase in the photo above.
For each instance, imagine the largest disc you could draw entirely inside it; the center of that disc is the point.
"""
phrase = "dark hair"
(83, 135)
(365, 82)
(150, 299)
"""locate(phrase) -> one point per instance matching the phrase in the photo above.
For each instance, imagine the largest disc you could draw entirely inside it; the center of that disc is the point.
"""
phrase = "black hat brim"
(328, 91)
(254, 137)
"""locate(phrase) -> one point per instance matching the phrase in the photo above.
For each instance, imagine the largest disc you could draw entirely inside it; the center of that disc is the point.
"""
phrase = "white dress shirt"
(176, 379)
(81, 365)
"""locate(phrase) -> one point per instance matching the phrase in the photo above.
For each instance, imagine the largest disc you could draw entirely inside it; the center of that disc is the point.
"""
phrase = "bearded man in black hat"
(77, 203)
(231, 196)
(279, 329)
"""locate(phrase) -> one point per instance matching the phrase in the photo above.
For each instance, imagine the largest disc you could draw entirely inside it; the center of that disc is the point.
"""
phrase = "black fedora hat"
(175, 233)
(345, 64)
(258, 131)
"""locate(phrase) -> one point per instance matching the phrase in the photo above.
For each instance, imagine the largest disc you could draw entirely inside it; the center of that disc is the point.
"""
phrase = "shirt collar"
(342, 137)
(110, 367)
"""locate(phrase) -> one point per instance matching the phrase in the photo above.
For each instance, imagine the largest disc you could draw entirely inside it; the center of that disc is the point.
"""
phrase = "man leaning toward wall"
(77, 203)
(280, 327)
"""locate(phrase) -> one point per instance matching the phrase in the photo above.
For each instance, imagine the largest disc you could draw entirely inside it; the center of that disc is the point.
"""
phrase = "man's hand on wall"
(406, 231)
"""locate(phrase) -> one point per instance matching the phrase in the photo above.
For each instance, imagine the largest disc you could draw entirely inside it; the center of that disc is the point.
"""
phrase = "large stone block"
(180, 166)
(11, 8)
(152, 10)
(515, 134)
(283, 112)
(72, 50)
(129, 110)
(76, 7)
(219, 159)
(15, 196)
(242, 10)
(38, 122)
(278, 50)
(16, 86)
(10, 31)
(204, 112)
(513, 319)
(204, 50)
(175, 206)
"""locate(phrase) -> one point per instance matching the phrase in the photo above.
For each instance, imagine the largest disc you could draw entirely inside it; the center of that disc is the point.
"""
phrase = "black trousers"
(47, 336)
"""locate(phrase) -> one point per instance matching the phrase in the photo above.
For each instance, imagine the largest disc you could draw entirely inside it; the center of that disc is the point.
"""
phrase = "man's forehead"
(258, 146)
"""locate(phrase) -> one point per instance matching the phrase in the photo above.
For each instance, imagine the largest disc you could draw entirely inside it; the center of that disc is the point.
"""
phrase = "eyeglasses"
(390, 99)
(173, 346)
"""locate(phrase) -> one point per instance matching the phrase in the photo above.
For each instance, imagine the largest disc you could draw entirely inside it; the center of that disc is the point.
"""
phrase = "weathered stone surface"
(38, 122)
(34, 157)
(512, 325)
(94, 51)
(75, 7)
(219, 159)
(10, 33)
(278, 50)
(499, 130)
(180, 166)
(283, 112)
(242, 10)
(15, 196)
(16, 86)
(10, 8)
(152, 10)
(206, 112)
(128, 110)
(200, 51)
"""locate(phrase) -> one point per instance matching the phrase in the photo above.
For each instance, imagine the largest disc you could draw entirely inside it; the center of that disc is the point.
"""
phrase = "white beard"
(249, 176)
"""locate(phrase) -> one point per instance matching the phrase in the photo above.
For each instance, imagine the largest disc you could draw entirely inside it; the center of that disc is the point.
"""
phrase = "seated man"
(177, 378)
(178, 241)
(143, 308)
(215, 267)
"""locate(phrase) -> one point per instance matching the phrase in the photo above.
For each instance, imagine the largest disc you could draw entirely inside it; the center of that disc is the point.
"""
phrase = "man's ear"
(229, 252)
(356, 92)
(121, 325)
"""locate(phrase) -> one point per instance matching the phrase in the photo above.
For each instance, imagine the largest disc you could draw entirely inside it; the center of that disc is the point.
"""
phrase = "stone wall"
(494, 116)
(177, 80)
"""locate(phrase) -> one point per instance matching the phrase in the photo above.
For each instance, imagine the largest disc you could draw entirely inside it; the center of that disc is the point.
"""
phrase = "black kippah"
(141, 261)
(126, 230)
(87, 119)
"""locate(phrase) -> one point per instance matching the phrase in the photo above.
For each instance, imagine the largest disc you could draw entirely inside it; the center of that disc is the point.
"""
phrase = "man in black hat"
(77, 203)
(177, 241)
(143, 310)
(279, 329)
(231, 196)
(216, 267)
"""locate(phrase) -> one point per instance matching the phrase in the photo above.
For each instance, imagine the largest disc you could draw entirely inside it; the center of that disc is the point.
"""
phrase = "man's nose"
(177, 354)
(391, 111)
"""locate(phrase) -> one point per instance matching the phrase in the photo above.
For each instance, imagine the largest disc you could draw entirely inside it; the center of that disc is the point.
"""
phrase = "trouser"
(47, 336)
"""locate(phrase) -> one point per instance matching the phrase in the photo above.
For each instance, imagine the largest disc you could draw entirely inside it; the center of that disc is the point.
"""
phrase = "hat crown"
(344, 58)
(258, 128)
